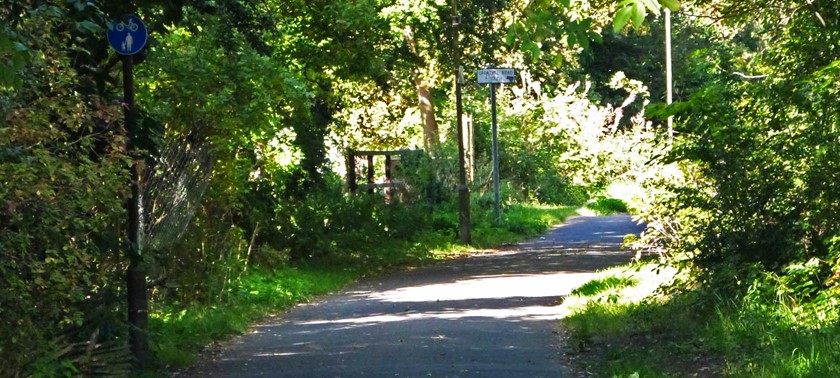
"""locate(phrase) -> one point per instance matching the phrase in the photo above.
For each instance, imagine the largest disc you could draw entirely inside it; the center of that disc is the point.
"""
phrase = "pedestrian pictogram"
(128, 36)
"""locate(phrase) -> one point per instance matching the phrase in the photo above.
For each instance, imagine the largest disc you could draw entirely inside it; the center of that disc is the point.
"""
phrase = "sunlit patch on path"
(490, 315)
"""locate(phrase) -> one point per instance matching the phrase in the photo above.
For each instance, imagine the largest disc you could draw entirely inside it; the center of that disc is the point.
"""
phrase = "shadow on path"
(492, 315)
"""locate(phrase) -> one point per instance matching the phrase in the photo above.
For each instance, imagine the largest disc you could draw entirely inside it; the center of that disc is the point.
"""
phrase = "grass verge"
(181, 332)
(620, 326)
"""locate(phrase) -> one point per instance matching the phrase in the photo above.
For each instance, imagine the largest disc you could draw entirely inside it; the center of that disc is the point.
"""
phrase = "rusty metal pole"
(138, 301)
(497, 212)
(465, 226)
(669, 78)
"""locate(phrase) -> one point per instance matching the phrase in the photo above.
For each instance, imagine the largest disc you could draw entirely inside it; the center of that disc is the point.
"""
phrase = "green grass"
(620, 326)
(597, 286)
(180, 331)
(518, 223)
(769, 344)
(607, 206)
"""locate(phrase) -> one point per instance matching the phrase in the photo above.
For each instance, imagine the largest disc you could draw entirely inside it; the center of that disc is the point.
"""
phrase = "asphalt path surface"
(492, 315)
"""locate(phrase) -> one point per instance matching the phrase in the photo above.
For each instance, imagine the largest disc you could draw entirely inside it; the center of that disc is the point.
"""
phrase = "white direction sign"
(496, 76)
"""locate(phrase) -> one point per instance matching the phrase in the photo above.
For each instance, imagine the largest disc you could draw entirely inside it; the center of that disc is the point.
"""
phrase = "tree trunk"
(427, 115)
(431, 138)
(469, 146)
(311, 130)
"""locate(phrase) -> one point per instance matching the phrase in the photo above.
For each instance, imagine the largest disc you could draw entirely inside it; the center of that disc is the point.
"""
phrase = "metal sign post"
(128, 37)
(494, 76)
(497, 212)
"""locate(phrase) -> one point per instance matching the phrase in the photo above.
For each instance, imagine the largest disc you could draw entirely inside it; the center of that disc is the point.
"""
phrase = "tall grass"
(179, 332)
(518, 221)
(616, 331)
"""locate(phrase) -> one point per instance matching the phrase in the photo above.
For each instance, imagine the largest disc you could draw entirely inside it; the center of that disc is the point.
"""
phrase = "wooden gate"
(391, 160)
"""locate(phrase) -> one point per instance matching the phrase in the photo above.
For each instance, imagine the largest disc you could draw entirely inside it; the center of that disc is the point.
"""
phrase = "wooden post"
(371, 190)
(351, 170)
(497, 212)
(388, 168)
(388, 178)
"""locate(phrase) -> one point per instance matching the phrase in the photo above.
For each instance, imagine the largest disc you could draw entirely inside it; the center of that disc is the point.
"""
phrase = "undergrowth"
(180, 332)
(620, 329)
(607, 206)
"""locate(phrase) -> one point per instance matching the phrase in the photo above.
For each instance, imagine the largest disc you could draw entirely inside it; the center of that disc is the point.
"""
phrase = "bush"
(553, 189)
(63, 180)
(607, 206)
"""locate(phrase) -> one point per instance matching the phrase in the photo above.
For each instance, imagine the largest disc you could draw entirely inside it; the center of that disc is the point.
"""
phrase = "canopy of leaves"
(278, 90)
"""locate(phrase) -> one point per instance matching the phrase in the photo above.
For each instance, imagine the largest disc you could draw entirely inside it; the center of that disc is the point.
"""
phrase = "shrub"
(607, 206)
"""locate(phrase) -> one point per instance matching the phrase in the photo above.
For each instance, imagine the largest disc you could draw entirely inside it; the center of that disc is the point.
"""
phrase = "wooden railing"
(371, 186)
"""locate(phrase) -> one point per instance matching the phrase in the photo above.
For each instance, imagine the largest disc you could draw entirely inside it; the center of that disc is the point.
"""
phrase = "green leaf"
(652, 5)
(532, 48)
(638, 15)
(673, 5)
(583, 41)
(90, 27)
(566, 3)
(595, 37)
(572, 39)
(621, 18)
(511, 37)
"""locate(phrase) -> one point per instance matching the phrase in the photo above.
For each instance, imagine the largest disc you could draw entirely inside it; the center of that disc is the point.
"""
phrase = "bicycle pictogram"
(132, 26)
(127, 36)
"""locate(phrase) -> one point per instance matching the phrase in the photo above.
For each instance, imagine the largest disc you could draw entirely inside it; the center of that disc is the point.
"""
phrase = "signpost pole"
(464, 222)
(138, 303)
(496, 205)
(494, 77)
(128, 37)
(668, 72)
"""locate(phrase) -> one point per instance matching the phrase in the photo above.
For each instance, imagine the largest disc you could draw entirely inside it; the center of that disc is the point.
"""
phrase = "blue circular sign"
(127, 37)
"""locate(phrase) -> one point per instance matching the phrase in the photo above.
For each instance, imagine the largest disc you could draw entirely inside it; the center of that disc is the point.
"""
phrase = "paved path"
(493, 315)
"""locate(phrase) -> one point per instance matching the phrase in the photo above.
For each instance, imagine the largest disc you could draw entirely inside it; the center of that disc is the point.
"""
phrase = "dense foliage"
(63, 174)
(246, 111)
(746, 204)
(759, 150)
(248, 107)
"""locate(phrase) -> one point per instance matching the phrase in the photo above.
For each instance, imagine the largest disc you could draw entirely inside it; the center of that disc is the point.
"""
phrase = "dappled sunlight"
(506, 286)
(278, 354)
(651, 277)
(584, 211)
(529, 313)
(493, 312)
(510, 297)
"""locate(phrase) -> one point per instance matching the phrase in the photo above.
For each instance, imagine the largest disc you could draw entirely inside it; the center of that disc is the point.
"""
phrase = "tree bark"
(311, 130)
(427, 115)
(431, 138)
